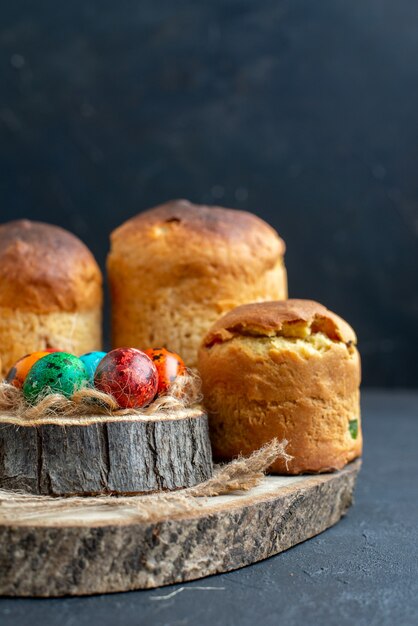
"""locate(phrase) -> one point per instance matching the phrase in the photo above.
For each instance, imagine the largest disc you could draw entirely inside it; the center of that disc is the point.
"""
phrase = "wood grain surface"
(89, 551)
(101, 455)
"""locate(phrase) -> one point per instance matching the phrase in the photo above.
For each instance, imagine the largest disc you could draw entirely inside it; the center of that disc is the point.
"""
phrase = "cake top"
(44, 268)
(192, 228)
(287, 318)
(201, 220)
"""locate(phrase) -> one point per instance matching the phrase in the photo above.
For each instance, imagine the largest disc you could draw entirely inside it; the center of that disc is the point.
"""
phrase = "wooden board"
(105, 454)
(95, 551)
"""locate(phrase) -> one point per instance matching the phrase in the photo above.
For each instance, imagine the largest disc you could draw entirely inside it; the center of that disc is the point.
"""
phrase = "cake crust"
(45, 269)
(266, 319)
(201, 222)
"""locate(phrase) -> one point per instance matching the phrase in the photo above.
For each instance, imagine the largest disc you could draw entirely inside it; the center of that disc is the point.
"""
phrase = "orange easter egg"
(169, 365)
(20, 369)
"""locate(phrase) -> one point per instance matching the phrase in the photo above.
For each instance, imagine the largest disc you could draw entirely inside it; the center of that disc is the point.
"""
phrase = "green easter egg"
(59, 372)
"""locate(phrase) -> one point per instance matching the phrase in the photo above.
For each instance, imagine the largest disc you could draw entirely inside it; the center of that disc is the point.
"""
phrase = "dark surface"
(363, 571)
(304, 112)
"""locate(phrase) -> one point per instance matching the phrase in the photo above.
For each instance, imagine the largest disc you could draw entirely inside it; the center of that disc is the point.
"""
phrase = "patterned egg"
(20, 369)
(169, 365)
(59, 372)
(91, 361)
(129, 376)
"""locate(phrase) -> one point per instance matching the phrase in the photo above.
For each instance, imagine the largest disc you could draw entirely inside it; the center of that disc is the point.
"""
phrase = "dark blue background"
(303, 111)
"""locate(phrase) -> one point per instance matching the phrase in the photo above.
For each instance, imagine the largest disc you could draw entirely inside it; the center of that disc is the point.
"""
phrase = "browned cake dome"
(44, 268)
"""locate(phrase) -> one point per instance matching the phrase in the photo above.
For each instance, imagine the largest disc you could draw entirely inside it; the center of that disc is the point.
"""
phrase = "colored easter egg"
(129, 376)
(59, 372)
(91, 361)
(169, 365)
(20, 369)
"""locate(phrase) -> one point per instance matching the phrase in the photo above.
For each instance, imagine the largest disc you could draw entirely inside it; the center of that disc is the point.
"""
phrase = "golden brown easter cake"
(173, 270)
(289, 370)
(50, 292)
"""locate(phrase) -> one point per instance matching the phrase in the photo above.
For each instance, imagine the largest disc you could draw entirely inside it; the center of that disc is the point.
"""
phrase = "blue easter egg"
(91, 360)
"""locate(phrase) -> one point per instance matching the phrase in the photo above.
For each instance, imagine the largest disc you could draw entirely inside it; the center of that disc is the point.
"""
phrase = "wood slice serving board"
(93, 550)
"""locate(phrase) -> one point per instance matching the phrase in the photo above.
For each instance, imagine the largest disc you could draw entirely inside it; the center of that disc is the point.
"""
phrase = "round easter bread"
(283, 369)
(174, 269)
(50, 292)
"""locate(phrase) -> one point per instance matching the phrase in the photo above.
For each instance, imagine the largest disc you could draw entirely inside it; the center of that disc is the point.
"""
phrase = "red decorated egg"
(169, 365)
(129, 376)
